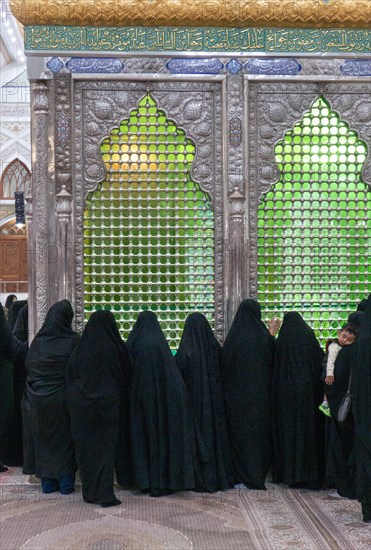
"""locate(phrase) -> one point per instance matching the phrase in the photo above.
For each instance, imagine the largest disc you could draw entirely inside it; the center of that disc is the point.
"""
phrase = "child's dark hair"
(350, 327)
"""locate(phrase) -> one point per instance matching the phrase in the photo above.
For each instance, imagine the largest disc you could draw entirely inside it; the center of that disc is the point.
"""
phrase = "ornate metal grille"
(314, 225)
(148, 228)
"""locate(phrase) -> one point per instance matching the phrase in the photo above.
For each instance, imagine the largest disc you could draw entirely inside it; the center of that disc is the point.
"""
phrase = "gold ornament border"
(166, 39)
(198, 13)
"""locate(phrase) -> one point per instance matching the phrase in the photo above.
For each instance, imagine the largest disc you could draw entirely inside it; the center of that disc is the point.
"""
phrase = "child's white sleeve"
(333, 351)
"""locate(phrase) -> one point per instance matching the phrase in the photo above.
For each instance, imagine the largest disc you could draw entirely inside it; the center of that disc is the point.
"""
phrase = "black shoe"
(109, 503)
(161, 492)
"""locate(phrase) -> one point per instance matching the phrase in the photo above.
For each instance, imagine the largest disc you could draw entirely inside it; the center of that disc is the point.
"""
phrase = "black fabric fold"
(98, 381)
(361, 394)
(198, 359)
(341, 435)
(297, 424)
(246, 371)
(13, 312)
(6, 383)
(161, 432)
(14, 454)
(48, 443)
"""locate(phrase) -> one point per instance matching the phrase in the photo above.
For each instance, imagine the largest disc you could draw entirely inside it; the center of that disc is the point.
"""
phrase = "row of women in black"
(222, 417)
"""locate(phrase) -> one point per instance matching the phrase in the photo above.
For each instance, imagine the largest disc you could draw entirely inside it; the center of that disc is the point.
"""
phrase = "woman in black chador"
(6, 383)
(361, 393)
(246, 372)
(13, 312)
(297, 391)
(98, 377)
(198, 359)
(46, 419)
(8, 302)
(162, 445)
(14, 455)
(341, 434)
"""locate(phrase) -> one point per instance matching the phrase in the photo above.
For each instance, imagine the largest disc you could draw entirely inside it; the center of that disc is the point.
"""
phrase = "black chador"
(161, 431)
(297, 392)
(361, 393)
(341, 435)
(6, 383)
(98, 377)
(45, 417)
(246, 372)
(14, 455)
(198, 359)
(13, 312)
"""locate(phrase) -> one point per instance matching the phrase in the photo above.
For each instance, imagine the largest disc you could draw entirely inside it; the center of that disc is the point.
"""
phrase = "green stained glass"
(320, 255)
(152, 243)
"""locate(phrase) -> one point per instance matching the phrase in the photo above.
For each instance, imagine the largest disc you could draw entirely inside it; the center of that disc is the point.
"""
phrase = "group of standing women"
(204, 420)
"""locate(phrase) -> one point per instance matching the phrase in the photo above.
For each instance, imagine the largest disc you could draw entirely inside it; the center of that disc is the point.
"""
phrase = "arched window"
(314, 225)
(16, 177)
(148, 228)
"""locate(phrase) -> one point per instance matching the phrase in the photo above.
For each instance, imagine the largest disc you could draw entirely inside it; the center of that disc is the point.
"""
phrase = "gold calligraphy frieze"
(195, 39)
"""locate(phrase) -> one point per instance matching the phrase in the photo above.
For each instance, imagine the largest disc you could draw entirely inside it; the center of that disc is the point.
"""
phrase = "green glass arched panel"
(314, 225)
(148, 228)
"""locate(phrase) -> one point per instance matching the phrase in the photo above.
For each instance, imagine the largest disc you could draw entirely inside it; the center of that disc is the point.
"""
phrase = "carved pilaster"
(236, 288)
(63, 132)
(40, 211)
(63, 211)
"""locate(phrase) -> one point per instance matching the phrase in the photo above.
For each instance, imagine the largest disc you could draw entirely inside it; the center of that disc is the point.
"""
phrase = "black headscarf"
(356, 317)
(20, 329)
(246, 371)
(161, 430)
(9, 300)
(297, 392)
(198, 359)
(45, 412)
(6, 382)
(5, 338)
(13, 311)
(56, 339)
(99, 367)
(98, 378)
(361, 392)
(362, 305)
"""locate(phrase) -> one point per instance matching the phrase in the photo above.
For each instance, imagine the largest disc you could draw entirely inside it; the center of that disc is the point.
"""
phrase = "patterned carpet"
(278, 518)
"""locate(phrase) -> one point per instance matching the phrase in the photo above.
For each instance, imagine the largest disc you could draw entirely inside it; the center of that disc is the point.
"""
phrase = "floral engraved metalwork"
(235, 110)
(63, 131)
(95, 65)
(145, 65)
(310, 66)
(194, 66)
(235, 132)
(272, 66)
(40, 196)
